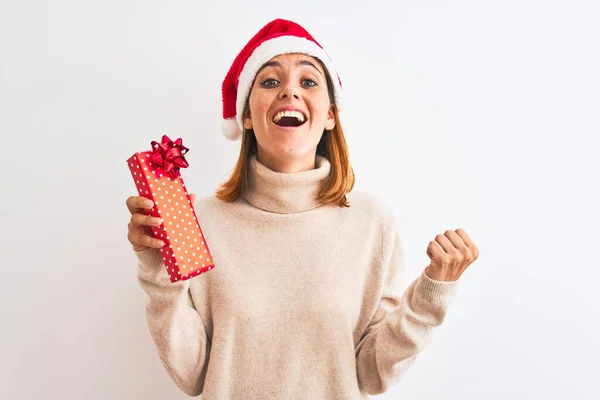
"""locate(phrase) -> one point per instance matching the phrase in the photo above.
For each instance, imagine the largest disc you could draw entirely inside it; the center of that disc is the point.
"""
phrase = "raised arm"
(403, 323)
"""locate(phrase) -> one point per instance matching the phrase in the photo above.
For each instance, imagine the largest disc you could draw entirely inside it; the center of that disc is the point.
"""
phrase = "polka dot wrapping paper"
(157, 176)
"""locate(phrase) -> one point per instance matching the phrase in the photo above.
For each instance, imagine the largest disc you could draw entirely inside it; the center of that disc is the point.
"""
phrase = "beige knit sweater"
(305, 301)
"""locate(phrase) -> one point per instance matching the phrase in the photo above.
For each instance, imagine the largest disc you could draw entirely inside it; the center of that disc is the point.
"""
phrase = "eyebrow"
(298, 63)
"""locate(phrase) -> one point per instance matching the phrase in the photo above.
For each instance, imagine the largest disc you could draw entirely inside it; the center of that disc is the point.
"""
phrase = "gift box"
(157, 176)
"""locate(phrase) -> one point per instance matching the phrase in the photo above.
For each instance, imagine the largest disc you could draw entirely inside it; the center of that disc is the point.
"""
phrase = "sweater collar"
(285, 193)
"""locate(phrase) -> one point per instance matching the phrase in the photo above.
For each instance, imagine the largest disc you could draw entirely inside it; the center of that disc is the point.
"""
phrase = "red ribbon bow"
(169, 155)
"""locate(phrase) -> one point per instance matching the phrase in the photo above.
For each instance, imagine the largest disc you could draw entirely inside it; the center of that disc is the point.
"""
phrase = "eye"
(269, 82)
(309, 82)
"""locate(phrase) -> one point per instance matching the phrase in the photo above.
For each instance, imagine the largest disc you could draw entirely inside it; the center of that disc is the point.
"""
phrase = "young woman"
(304, 301)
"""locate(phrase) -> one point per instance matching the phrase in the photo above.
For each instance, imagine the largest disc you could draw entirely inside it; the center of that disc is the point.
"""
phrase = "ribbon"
(169, 156)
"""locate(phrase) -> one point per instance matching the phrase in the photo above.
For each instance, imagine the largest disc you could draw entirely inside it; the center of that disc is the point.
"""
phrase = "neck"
(286, 192)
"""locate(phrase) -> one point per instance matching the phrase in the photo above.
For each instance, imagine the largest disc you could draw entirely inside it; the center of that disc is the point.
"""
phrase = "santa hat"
(277, 37)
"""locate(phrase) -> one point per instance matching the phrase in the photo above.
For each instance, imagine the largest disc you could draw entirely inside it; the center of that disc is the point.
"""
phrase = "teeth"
(281, 114)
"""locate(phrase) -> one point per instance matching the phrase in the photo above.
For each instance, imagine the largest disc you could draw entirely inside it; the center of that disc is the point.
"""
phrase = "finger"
(193, 198)
(137, 237)
(138, 203)
(465, 237)
(455, 239)
(445, 244)
(145, 220)
(434, 250)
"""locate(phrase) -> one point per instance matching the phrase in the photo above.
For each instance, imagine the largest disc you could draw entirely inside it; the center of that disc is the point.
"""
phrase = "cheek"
(259, 106)
(321, 109)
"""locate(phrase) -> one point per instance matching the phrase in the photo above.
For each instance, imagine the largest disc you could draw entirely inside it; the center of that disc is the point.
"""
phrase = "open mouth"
(289, 118)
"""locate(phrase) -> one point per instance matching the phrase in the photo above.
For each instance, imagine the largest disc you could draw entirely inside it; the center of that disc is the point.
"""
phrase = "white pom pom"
(231, 129)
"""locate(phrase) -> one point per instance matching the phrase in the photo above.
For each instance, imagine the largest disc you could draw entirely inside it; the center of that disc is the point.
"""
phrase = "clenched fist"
(450, 254)
(139, 232)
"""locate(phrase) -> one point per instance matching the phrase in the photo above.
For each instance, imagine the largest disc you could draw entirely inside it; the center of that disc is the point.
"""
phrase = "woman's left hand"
(450, 255)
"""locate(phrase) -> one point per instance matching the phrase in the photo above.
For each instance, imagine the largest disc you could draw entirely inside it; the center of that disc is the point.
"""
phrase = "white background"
(472, 114)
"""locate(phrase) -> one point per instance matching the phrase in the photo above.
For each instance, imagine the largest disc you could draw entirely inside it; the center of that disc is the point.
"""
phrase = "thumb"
(193, 199)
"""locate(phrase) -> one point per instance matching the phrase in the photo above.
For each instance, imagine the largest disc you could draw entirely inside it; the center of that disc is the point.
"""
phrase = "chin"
(289, 138)
(293, 150)
(290, 142)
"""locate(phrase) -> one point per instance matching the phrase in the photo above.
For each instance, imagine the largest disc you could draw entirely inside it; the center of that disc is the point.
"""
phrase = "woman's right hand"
(139, 232)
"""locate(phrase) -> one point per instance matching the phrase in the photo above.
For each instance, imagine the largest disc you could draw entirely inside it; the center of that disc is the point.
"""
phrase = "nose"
(288, 90)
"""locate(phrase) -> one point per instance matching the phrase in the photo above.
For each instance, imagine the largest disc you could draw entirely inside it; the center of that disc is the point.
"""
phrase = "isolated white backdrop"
(480, 115)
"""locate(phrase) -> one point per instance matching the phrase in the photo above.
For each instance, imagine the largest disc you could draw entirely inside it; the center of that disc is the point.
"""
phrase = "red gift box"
(157, 176)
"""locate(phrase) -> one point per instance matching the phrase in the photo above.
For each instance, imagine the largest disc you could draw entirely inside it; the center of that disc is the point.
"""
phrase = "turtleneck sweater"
(306, 300)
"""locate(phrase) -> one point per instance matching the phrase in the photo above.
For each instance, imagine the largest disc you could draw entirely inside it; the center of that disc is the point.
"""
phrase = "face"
(289, 109)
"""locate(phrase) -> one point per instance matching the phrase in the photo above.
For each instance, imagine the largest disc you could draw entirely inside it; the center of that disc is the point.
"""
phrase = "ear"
(247, 120)
(330, 124)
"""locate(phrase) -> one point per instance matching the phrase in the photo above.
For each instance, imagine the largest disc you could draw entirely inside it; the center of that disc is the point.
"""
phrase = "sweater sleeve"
(175, 325)
(403, 324)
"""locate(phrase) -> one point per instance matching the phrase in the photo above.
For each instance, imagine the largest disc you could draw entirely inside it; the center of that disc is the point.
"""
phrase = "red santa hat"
(277, 37)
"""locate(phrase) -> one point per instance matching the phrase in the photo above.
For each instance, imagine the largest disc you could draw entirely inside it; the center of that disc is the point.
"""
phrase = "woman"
(304, 300)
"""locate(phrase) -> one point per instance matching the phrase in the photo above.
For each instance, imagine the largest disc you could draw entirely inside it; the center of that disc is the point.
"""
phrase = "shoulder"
(210, 205)
(206, 203)
(371, 206)
(379, 222)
